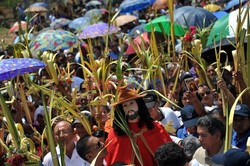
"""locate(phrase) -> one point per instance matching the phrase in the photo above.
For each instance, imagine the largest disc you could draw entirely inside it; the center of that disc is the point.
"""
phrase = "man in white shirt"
(63, 132)
(165, 115)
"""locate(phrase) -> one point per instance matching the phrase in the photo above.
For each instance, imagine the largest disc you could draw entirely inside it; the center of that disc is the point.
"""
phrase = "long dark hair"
(145, 118)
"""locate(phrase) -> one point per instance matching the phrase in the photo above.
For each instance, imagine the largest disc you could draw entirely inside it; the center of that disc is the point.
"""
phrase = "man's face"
(80, 130)
(131, 110)
(63, 132)
(241, 124)
(154, 111)
(207, 96)
(211, 71)
(186, 99)
(95, 146)
(206, 139)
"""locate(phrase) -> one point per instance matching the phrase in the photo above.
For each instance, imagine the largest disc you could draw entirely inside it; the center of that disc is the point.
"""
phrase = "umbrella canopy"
(18, 39)
(220, 14)
(15, 27)
(212, 7)
(163, 23)
(139, 28)
(59, 23)
(233, 3)
(160, 4)
(36, 9)
(137, 42)
(124, 19)
(193, 16)
(226, 45)
(93, 13)
(43, 4)
(98, 30)
(226, 26)
(93, 3)
(10, 68)
(128, 6)
(79, 23)
(54, 40)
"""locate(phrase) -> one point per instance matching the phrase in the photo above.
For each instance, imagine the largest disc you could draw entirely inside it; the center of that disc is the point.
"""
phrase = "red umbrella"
(16, 26)
(137, 42)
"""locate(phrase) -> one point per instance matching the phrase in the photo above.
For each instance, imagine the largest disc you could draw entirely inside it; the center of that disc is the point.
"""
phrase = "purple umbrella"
(10, 68)
(98, 30)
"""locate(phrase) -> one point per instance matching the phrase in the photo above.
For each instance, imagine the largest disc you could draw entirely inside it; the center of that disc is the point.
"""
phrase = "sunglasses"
(203, 94)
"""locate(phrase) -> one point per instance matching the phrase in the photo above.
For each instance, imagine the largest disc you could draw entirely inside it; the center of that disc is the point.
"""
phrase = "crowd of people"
(178, 120)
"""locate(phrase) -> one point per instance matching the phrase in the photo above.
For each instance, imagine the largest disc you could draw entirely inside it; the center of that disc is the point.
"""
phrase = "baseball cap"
(242, 110)
(150, 99)
(232, 157)
(189, 116)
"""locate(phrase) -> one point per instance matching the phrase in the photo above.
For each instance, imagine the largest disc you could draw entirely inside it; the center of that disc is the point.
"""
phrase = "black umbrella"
(209, 52)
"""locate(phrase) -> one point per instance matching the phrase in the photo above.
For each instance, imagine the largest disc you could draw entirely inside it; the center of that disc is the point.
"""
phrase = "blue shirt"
(113, 55)
(240, 143)
(182, 133)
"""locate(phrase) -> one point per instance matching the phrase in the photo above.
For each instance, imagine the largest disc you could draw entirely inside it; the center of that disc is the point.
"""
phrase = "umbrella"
(79, 23)
(93, 13)
(139, 28)
(138, 41)
(233, 3)
(160, 4)
(162, 22)
(212, 7)
(43, 4)
(209, 52)
(124, 19)
(15, 27)
(36, 9)
(21, 39)
(93, 3)
(10, 68)
(54, 40)
(226, 26)
(193, 16)
(220, 14)
(98, 30)
(128, 6)
(59, 23)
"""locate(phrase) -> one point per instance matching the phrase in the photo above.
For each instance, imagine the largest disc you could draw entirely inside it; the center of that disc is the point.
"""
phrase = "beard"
(133, 116)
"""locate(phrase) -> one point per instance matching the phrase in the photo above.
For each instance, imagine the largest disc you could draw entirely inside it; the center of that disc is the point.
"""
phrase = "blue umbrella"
(139, 28)
(59, 23)
(17, 39)
(10, 68)
(233, 3)
(93, 3)
(98, 30)
(220, 14)
(43, 4)
(193, 16)
(129, 6)
(79, 23)
(93, 13)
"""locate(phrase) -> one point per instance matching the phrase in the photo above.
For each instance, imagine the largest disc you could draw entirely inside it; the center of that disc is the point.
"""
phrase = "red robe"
(120, 149)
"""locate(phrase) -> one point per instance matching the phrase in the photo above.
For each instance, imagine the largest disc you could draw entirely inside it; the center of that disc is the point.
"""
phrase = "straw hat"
(126, 94)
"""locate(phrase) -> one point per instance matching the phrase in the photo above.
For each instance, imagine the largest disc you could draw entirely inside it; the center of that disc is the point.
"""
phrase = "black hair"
(170, 154)
(145, 118)
(100, 134)
(213, 125)
(82, 147)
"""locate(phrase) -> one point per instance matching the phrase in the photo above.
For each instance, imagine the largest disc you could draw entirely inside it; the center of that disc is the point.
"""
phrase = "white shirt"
(169, 115)
(75, 159)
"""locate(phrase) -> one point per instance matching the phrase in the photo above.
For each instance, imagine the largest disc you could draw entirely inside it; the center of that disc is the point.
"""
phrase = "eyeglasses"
(62, 132)
(203, 94)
